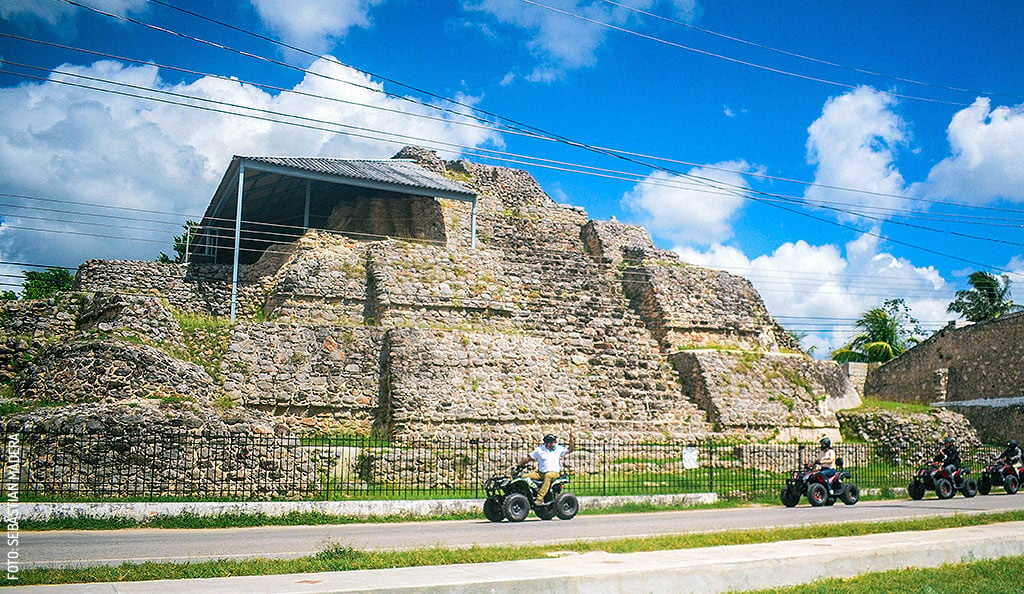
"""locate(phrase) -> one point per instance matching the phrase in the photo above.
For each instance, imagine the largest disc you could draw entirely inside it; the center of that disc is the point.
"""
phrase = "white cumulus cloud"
(83, 146)
(688, 211)
(987, 156)
(56, 13)
(312, 24)
(818, 289)
(853, 145)
(563, 42)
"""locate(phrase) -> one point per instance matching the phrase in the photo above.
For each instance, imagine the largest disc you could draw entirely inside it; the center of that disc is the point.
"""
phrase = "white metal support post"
(305, 215)
(238, 240)
(472, 225)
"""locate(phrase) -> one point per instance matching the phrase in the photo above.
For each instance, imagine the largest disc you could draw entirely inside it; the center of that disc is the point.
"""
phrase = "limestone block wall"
(606, 239)
(759, 394)
(910, 438)
(26, 327)
(140, 449)
(689, 306)
(977, 361)
(130, 316)
(477, 383)
(323, 281)
(995, 420)
(107, 371)
(435, 285)
(316, 375)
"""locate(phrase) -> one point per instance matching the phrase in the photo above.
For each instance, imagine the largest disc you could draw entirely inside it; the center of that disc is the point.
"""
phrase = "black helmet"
(947, 441)
(1012, 443)
(825, 442)
(550, 438)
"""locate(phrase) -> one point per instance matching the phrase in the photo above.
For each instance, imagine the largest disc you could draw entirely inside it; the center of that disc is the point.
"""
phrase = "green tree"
(8, 296)
(987, 299)
(181, 243)
(39, 285)
(885, 333)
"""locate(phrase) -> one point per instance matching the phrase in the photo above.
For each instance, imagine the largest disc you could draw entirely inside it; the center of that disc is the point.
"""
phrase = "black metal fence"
(44, 467)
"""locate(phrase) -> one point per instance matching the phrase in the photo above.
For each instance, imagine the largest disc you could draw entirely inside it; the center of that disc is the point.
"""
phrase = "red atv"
(935, 477)
(999, 473)
(819, 490)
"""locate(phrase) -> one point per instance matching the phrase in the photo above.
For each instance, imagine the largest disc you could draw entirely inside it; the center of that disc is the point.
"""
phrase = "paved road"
(70, 548)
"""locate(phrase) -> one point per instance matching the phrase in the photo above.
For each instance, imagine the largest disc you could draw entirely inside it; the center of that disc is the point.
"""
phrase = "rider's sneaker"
(538, 501)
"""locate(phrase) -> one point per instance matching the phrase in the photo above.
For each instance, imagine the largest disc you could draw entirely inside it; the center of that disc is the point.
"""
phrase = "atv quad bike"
(512, 497)
(818, 489)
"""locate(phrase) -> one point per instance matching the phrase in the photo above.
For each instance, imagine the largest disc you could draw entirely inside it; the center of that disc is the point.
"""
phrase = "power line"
(806, 57)
(728, 58)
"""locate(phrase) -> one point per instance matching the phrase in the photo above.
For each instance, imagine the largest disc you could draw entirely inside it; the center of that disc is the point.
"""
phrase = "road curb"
(40, 512)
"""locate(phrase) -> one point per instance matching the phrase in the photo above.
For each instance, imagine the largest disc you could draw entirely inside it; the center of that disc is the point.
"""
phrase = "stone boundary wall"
(977, 361)
(909, 438)
(996, 420)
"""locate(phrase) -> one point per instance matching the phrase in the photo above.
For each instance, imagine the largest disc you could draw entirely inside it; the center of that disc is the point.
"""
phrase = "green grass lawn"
(994, 576)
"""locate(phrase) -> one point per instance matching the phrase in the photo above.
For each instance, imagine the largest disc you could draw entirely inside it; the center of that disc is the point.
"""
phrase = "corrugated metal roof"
(386, 171)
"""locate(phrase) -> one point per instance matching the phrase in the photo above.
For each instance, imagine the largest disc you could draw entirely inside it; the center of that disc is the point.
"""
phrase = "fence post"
(476, 473)
(711, 467)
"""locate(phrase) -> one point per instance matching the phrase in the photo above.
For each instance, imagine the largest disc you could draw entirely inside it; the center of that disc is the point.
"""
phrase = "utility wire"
(806, 57)
(729, 58)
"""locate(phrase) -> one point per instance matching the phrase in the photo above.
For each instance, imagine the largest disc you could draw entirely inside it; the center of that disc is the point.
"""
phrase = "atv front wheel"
(970, 488)
(567, 506)
(944, 488)
(516, 507)
(1010, 484)
(789, 496)
(916, 490)
(850, 494)
(817, 495)
(493, 510)
(985, 486)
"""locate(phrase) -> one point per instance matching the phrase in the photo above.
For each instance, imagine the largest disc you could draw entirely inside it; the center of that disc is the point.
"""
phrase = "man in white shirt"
(549, 462)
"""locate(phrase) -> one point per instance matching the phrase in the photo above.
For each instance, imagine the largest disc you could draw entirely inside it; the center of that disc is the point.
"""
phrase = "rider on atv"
(949, 457)
(549, 463)
(826, 460)
(1011, 455)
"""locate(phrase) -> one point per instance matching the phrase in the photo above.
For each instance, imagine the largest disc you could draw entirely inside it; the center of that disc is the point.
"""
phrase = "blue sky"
(860, 151)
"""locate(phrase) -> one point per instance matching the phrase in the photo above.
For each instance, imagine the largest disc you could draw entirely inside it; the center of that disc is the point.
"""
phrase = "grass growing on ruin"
(207, 339)
(992, 575)
(873, 404)
(337, 558)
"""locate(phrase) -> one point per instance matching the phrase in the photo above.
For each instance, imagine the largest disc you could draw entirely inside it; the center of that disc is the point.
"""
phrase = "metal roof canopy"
(391, 175)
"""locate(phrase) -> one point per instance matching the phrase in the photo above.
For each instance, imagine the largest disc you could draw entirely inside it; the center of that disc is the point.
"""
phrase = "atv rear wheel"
(567, 506)
(789, 496)
(545, 512)
(970, 488)
(516, 507)
(817, 494)
(1010, 484)
(944, 488)
(985, 486)
(916, 490)
(850, 494)
(493, 511)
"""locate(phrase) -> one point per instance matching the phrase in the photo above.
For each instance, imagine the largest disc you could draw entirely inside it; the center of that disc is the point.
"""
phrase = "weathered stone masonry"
(555, 321)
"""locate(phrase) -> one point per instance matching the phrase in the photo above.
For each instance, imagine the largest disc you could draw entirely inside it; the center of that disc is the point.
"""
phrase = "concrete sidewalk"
(716, 569)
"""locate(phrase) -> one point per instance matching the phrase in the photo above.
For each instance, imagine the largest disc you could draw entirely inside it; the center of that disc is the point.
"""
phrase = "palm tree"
(987, 299)
(886, 333)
